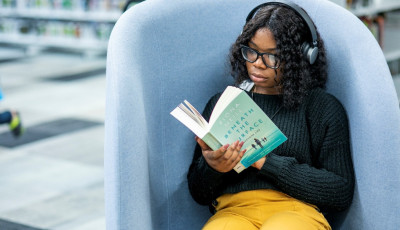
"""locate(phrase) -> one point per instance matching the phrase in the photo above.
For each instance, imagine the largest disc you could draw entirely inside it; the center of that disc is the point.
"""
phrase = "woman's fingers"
(202, 144)
(227, 152)
(239, 157)
(224, 158)
(233, 155)
(240, 146)
(221, 151)
(230, 151)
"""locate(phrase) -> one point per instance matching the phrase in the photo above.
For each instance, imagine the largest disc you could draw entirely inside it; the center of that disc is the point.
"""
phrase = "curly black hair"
(290, 32)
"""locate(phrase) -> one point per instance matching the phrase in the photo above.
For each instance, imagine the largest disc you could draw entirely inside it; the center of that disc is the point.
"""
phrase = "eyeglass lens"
(251, 56)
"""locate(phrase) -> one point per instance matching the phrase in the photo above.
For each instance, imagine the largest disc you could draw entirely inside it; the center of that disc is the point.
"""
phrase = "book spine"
(239, 167)
(211, 141)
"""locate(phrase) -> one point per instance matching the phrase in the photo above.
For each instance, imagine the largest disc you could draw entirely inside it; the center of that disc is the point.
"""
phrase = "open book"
(235, 117)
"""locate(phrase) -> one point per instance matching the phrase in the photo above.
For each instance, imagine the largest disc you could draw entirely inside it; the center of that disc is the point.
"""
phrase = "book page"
(226, 98)
(189, 122)
(194, 117)
(198, 115)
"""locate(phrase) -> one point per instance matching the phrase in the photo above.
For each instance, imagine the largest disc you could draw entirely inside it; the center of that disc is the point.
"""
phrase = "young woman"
(280, 58)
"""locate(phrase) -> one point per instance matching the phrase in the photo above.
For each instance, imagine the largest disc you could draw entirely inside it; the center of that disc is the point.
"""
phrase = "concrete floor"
(53, 179)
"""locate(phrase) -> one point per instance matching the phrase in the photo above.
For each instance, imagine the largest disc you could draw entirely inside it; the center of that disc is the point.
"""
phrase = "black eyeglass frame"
(262, 58)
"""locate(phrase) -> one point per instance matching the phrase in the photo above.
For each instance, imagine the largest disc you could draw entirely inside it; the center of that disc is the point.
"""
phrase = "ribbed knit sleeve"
(328, 181)
(204, 182)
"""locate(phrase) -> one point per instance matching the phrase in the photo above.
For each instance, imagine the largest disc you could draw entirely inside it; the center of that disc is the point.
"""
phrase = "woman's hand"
(260, 163)
(223, 159)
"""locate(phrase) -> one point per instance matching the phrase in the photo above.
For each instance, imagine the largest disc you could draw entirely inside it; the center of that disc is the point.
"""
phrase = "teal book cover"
(243, 120)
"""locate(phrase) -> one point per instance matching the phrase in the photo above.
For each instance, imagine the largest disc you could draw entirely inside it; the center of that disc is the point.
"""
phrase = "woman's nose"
(259, 63)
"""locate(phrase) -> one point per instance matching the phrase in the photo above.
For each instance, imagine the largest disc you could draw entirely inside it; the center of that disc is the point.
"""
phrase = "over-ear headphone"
(309, 50)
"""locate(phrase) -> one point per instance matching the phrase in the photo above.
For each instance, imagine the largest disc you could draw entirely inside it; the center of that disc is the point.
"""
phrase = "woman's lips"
(257, 78)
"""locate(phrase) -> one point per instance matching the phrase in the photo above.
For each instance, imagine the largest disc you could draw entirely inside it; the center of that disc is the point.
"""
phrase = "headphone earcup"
(309, 53)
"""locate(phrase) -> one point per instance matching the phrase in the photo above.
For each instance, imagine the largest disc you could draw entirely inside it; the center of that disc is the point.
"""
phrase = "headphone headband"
(296, 9)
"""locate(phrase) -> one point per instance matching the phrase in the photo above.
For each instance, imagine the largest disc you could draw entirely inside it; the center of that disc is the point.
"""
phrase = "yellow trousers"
(266, 210)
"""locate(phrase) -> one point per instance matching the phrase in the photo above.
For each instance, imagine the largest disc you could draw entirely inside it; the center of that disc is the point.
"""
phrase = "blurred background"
(52, 71)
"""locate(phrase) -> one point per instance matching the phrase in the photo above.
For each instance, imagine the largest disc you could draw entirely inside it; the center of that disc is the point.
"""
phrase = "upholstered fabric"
(162, 52)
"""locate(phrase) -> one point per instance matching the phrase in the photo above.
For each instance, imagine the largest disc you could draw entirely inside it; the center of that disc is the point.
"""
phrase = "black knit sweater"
(314, 165)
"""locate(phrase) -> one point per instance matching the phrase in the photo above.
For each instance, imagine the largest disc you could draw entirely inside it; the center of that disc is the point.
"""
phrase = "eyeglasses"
(251, 55)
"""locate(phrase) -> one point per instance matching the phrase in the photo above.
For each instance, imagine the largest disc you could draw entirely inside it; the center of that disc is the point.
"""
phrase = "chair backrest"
(162, 52)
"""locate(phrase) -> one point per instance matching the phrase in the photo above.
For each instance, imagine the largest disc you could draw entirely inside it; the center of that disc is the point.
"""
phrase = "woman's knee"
(288, 221)
(231, 222)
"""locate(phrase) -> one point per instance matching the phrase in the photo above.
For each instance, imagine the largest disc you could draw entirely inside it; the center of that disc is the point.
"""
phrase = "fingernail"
(234, 145)
(226, 147)
(241, 144)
